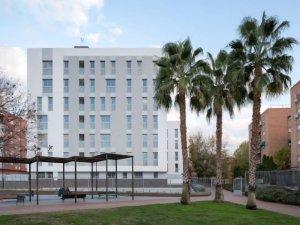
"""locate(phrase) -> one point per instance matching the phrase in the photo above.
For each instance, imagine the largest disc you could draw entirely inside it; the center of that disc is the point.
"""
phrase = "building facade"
(13, 141)
(280, 127)
(91, 101)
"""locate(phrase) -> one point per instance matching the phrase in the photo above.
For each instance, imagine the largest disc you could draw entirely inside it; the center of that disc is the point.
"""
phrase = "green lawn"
(174, 214)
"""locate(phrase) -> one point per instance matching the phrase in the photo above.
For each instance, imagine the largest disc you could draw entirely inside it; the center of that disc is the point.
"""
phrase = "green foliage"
(241, 163)
(282, 158)
(278, 194)
(267, 164)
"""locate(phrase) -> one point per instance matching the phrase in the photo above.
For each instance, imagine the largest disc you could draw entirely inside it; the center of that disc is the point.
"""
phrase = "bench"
(72, 195)
(18, 197)
(109, 193)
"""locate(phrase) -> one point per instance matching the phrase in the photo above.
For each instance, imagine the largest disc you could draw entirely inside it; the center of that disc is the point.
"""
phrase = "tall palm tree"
(217, 95)
(177, 67)
(263, 65)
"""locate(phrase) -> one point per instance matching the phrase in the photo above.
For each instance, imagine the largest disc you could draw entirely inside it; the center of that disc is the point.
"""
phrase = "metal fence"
(280, 178)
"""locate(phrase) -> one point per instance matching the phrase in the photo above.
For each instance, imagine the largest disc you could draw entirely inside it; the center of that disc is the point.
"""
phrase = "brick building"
(280, 127)
(13, 141)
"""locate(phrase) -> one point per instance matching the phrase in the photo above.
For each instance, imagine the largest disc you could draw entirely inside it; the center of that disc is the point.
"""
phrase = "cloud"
(13, 62)
(117, 31)
(93, 37)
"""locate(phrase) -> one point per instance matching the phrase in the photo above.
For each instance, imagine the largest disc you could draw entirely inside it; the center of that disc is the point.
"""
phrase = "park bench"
(18, 197)
(72, 195)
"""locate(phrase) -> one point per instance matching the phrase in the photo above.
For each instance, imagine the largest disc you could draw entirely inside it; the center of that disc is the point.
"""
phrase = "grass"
(174, 214)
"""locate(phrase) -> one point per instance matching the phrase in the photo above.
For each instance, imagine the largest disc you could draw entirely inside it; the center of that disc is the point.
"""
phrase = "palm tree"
(263, 65)
(177, 67)
(217, 95)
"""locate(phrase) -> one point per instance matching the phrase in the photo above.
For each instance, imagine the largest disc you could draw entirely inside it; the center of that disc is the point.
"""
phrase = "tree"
(177, 67)
(263, 66)
(241, 156)
(282, 158)
(267, 164)
(215, 96)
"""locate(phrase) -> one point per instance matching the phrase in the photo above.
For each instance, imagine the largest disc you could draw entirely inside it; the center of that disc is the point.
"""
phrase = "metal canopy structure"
(98, 158)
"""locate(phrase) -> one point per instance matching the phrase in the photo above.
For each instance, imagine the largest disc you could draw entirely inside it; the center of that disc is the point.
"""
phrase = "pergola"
(94, 159)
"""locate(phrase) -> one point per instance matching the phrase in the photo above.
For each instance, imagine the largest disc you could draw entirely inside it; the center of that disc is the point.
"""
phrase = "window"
(66, 122)
(92, 67)
(110, 85)
(105, 140)
(138, 174)
(113, 103)
(92, 140)
(124, 175)
(155, 108)
(92, 122)
(47, 85)
(155, 122)
(129, 140)
(154, 85)
(81, 122)
(81, 67)
(155, 141)
(145, 121)
(102, 67)
(47, 67)
(81, 103)
(39, 104)
(176, 144)
(139, 66)
(144, 102)
(66, 67)
(129, 121)
(128, 85)
(113, 67)
(102, 104)
(145, 140)
(155, 175)
(50, 104)
(81, 154)
(129, 103)
(66, 85)
(81, 140)
(81, 85)
(50, 154)
(105, 122)
(43, 140)
(176, 167)
(298, 127)
(176, 156)
(176, 133)
(66, 154)
(145, 158)
(145, 88)
(92, 103)
(66, 103)
(128, 65)
(66, 140)
(155, 158)
(42, 122)
(92, 85)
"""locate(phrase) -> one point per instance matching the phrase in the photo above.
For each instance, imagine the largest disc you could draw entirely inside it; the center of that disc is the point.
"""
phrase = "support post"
(29, 181)
(92, 179)
(96, 176)
(75, 165)
(2, 169)
(37, 180)
(106, 181)
(132, 177)
(116, 178)
(64, 185)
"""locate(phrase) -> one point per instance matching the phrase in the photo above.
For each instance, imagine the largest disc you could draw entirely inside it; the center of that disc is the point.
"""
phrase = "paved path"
(70, 206)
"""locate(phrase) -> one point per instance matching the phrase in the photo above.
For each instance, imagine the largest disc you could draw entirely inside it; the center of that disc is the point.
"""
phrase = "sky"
(210, 24)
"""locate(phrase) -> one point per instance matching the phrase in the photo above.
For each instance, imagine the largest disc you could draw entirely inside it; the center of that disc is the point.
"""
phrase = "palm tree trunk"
(185, 196)
(219, 197)
(254, 144)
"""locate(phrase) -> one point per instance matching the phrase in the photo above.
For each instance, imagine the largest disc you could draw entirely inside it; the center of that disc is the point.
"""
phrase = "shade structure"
(94, 159)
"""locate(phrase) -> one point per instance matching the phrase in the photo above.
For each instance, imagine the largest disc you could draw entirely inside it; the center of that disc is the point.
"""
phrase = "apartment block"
(92, 101)
(280, 127)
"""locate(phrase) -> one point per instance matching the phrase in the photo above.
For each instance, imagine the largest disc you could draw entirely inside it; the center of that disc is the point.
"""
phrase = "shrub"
(228, 187)
(278, 194)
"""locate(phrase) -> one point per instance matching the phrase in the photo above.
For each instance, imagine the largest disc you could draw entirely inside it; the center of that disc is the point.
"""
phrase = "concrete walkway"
(70, 206)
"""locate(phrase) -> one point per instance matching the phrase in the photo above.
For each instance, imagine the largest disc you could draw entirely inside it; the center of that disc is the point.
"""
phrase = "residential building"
(102, 102)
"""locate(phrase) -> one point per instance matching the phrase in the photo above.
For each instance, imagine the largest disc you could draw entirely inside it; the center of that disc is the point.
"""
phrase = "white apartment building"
(96, 100)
